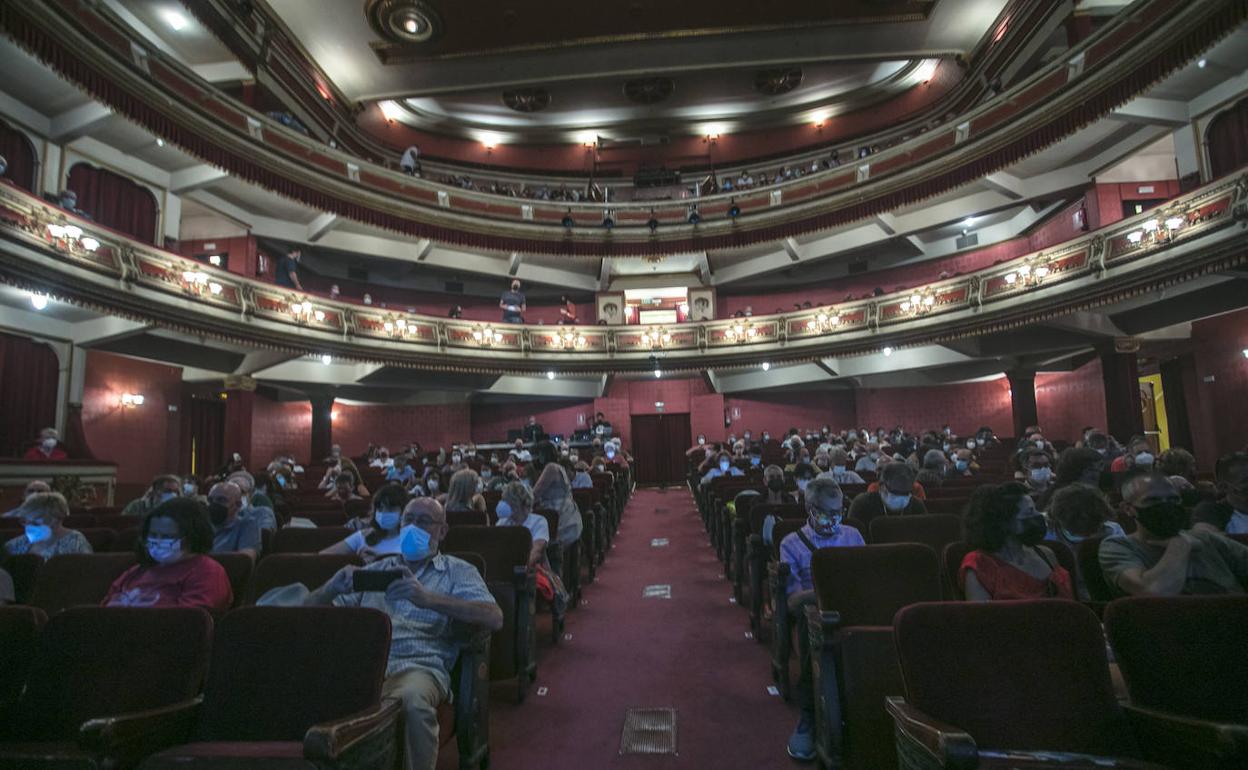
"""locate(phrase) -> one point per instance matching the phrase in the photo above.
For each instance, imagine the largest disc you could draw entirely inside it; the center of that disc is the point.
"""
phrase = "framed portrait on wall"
(611, 307)
(701, 304)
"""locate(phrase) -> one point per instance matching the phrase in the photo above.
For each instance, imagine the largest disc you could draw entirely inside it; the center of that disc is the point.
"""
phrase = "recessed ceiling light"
(766, 366)
(550, 375)
(887, 351)
(175, 20)
(1202, 63)
(658, 373)
(38, 301)
(968, 222)
(327, 359)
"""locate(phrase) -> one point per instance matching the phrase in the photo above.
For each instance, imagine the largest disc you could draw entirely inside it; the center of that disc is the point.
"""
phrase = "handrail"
(45, 249)
(1142, 44)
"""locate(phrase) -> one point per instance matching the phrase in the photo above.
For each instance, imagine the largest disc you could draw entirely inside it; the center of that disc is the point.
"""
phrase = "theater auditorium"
(430, 385)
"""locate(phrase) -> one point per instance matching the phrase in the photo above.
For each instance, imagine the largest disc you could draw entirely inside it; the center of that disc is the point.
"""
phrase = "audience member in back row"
(463, 494)
(825, 508)
(46, 534)
(515, 509)
(48, 447)
(1232, 479)
(723, 467)
(173, 570)
(1159, 557)
(163, 488)
(1008, 562)
(381, 536)
(256, 506)
(33, 487)
(231, 533)
(553, 492)
(426, 606)
(894, 498)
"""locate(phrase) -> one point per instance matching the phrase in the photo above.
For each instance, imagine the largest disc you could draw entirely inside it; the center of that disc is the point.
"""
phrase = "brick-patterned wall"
(393, 426)
(965, 407)
(279, 427)
(142, 440)
(490, 422)
(1068, 401)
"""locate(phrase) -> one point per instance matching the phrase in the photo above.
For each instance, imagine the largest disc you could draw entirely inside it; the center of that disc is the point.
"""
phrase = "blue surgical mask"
(432, 484)
(387, 520)
(281, 481)
(164, 551)
(166, 496)
(896, 502)
(756, 460)
(486, 473)
(1070, 537)
(961, 465)
(1041, 475)
(610, 454)
(838, 468)
(723, 465)
(503, 509)
(414, 543)
(188, 489)
(801, 484)
(826, 523)
(37, 533)
(1144, 459)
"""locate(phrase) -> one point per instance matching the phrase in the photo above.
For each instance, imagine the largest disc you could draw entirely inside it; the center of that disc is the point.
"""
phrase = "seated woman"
(581, 479)
(515, 509)
(1079, 512)
(1003, 527)
(463, 494)
(46, 534)
(553, 492)
(773, 477)
(380, 536)
(173, 568)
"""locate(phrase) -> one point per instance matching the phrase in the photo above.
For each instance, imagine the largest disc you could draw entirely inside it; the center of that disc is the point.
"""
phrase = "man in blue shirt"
(401, 471)
(287, 271)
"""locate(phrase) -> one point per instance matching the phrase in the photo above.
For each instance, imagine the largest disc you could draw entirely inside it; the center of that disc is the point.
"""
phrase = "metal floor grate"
(649, 731)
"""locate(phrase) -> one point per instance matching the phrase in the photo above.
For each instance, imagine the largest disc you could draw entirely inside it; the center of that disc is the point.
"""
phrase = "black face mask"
(776, 485)
(1164, 519)
(1034, 528)
(218, 512)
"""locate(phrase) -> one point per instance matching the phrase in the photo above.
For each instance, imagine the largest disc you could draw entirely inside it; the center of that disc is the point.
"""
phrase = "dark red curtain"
(664, 437)
(204, 436)
(1227, 139)
(28, 379)
(113, 200)
(20, 154)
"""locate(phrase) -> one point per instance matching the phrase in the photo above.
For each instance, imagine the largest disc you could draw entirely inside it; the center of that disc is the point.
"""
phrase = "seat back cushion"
(932, 529)
(307, 539)
(283, 569)
(868, 584)
(77, 579)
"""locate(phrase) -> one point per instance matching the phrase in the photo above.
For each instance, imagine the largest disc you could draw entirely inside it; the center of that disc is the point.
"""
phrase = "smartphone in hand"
(373, 580)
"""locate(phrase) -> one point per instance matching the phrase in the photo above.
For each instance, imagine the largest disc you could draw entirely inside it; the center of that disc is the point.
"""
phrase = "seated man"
(894, 495)
(32, 488)
(428, 606)
(1160, 558)
(839, 459)
(723, 467)
(401, 472)
(48, 447)
(825, 507)
(231, 532)
(258, 508)
(164, 487)
(1232, 479)
(519, 453)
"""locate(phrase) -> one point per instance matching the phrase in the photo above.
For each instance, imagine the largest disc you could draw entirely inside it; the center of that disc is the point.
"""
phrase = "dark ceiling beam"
(1222, 298)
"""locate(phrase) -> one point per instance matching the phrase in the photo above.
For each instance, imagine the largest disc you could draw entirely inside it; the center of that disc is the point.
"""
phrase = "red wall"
(394, 426)
(280, 427)
(1109, 197)
(242, 253)
(142, 440)
(490, 422)
(781, 411)
(1218, 410)
(965, 407)
(1067, 401)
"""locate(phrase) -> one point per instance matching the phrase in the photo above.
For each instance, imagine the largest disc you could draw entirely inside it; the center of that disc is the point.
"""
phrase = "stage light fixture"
(550, 375)
(766, 366)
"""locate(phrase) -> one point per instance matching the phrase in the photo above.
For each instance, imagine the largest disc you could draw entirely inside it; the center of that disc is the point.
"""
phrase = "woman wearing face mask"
(173, 570)
(722, 467)
(463, 494)
(47, 447)
(379, 536)
(1079, 512)
(1139, 455)
(582, 480)
(46, 535)
(515, 509)
(553, 492)
(699, 445)
(1004, 528)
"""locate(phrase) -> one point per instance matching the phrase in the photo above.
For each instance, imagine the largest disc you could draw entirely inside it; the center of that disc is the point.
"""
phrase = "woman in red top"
(1005, 529)
(173, 570)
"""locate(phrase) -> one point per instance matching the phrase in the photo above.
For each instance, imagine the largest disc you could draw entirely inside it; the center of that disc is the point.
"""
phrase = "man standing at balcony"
(287, 272)
(513, 304)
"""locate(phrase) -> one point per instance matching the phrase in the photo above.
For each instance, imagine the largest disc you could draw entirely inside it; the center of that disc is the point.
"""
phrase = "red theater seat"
(77, 579)
(238, 568)
(307, 539)
(19, 639)
(283, 569)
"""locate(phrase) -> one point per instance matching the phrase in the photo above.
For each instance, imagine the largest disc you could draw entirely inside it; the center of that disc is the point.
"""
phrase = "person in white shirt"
(839, 458)
(515, 509)
(410, 162)
(382, 460)
(380, 536)
(520, 454)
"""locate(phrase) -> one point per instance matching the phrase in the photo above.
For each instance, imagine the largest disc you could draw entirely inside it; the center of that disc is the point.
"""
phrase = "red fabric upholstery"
(101, 540)
(238, 568)
(116, 201)
(125, 540)
(283, 569)
(24, 569)
(504, 550)
(1183, 654)
(99, 661)
(305, 540)
(472, 519)
(868, 673)
(932, 529)
(80, 521)
(20, 154)
(19, 636)
(869, 584)
(270, 677)
(28, 375)
(77, 579)
(1024, 675)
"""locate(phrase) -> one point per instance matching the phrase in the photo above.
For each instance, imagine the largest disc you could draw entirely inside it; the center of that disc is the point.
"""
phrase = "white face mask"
(1144, 458)
(1041, 475)
(701, 440)
(432, 484)
(48, 444)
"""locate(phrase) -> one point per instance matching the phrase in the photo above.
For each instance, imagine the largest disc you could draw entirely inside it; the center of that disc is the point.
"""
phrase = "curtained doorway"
(204, 437)
(659, 443)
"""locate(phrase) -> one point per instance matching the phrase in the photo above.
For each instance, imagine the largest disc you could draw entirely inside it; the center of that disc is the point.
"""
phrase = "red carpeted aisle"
(689, 652)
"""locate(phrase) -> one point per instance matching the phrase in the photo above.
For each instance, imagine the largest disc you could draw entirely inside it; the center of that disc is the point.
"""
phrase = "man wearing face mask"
(868, 462)
(839, 460)
(163, 488)
(1037, 473)
(1008, 562)
(1160, 558)
(32, 488)
(434, 597)
(1139, 455)
(253, 504)
(894, 497)
(723, 467)
(230, 532)
(47, 447)
(825, 508)
(513, 304)
(964, 465)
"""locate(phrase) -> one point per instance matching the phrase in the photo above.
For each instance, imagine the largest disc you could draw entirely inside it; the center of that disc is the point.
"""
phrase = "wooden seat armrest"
(1178, 735)
(139, 733)
(946, 744)
(328, 741)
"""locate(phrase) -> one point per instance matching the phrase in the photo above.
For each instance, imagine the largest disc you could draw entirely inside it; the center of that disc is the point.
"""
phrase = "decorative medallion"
(774, 82)
(411, 22)
(650, 90)
(527, 99)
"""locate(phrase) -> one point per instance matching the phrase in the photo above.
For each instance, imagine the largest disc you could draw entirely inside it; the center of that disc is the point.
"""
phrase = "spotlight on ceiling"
(568, 221)
(160, 142)
(175, 20)
(887, 351)
(766, 366)
(327, 359)
(968, 222)
(694, 216)
(734, 210)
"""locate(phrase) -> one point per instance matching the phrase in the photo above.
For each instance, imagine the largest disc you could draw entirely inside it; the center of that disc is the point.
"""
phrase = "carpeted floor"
(689, 652)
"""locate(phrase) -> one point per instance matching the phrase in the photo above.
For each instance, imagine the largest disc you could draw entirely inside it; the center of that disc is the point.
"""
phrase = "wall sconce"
(824, 320)
(486, 336)
(740, 332)
(918, 303)
(1154, 231)
(304, 312)
(397, 326)
(1027, 275)
(131, 400)
(569, 340)
(656, 338)
(197, 282)
(70, 238)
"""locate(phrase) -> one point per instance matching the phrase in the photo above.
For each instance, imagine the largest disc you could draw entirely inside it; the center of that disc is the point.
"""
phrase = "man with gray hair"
(825, 508)
(895, 496)
(253, 508)
(839, 459)
(231, 533)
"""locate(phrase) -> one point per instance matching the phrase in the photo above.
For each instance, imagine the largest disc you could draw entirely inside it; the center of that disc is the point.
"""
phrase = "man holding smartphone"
(428, 596)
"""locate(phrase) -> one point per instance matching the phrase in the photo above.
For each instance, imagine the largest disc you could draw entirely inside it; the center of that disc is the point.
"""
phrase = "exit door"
(659, 444)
